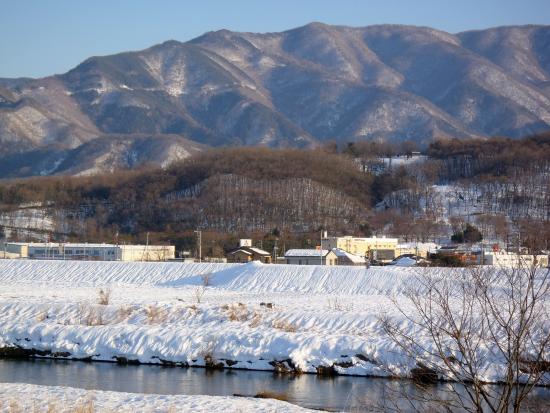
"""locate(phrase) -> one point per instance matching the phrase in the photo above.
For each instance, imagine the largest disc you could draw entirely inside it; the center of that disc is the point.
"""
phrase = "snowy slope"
(99, 272)
(251, 316)
(253, 277)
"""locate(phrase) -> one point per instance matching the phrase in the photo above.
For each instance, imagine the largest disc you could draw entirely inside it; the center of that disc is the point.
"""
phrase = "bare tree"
(199, 292)
(206, 279)
(465, 325)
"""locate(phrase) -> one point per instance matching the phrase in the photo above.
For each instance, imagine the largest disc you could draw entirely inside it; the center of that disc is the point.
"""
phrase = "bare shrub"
(124, 312)
(155, 314)
(104, 296)
(462, 317)
(337, 305)
(207, 352)
(284, 325)
(334, 304)
(256, 319)
(199, 292)
(237, 312)
(90, 315)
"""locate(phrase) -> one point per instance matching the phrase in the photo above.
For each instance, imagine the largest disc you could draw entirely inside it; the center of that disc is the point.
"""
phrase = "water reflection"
(339, 393)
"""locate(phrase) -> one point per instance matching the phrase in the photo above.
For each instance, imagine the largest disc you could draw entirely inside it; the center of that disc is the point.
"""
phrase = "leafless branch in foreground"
(465, 323)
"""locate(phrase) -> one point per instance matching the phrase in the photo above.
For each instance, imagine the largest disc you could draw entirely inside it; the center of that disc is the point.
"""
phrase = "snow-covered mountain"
(295, 88)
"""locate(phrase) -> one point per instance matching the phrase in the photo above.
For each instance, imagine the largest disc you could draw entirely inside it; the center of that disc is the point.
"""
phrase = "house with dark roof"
(246, 254)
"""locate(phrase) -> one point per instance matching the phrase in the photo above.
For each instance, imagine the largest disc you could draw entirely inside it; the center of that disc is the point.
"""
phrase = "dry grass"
(41, 317)
(334, 304)
(124, 312)
(86, 406)
(256, 319)
(155, 314)
(104, 296)
(81, 406)
(91, 315)
(14, 407)
(284, 325)
(267, 394)
(337, 305)
(52, 407)
(237, 312)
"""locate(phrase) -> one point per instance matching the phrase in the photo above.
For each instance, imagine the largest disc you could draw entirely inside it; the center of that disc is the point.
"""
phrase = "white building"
(334, 256)
(82, 251)
(310, 257)
(510, 260)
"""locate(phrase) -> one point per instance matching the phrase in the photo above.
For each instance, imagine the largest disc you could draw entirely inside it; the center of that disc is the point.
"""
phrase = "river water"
(339, 393)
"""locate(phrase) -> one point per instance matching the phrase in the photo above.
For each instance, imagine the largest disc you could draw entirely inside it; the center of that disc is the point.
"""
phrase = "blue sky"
(43, 37)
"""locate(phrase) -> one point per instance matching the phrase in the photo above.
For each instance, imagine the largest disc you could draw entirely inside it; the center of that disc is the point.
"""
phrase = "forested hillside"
(237, 191)
(500, 185)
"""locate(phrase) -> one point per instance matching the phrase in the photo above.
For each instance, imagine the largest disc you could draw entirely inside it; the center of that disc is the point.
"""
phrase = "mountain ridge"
(296, 88)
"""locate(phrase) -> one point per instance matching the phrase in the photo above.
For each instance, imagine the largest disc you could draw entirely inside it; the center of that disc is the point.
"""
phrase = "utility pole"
(275, 248)
(321, 249)
(145, 253)
(325, 235)
(199, 234)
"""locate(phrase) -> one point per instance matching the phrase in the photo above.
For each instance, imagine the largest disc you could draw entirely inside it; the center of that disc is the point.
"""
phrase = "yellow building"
(374, 248)
(420, 249)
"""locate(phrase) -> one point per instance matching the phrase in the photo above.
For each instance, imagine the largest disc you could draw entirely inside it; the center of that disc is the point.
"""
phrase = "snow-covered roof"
(83, 245)
(306, 253)
(250, 251)
(352, 257)
(258, 251)
(241, 250)
(419, 245)
(404, 262)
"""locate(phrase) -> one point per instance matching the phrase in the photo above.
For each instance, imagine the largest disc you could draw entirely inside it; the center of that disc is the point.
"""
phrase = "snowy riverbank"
(268, 317)
(38, 399)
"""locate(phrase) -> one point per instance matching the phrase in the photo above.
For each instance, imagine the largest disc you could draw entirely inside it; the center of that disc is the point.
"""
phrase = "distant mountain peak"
(296, 88)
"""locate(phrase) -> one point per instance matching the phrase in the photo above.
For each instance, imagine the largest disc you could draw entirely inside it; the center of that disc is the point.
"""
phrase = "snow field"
(38, 399)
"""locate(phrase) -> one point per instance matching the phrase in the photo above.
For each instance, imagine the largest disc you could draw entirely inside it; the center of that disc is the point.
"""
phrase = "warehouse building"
(375, 249)
(84, 251)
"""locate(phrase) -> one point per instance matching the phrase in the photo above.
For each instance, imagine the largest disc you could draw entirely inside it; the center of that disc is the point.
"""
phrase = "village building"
(245, 254)
(512, 260)
(311, 256)
(419, 249)
(346, 258)
(375, 249)
(84, 251)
